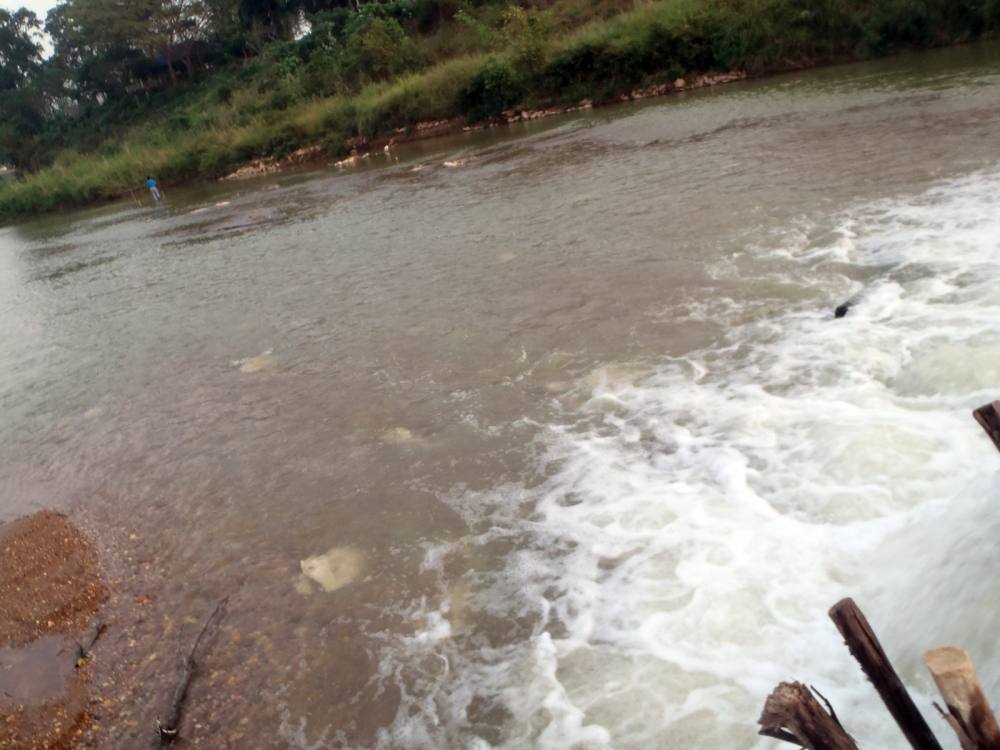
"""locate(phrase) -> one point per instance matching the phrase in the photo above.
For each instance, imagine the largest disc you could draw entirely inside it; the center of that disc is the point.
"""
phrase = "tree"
(20, 52)
(20, 62)
(118, 39)
(267, 21)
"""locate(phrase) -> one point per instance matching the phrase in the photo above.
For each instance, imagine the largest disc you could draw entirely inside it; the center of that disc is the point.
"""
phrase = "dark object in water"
(841, 310)
(866, 649)
(988, 417)
(792, 713)
(168, 729)
(83, 652)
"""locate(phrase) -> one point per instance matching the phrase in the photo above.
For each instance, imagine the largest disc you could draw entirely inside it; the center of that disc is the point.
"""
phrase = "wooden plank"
(791, 713)
(969, 712)
(866, 649)
(988, 417)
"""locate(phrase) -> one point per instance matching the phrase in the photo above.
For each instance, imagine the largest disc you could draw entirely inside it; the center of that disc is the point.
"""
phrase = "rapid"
(538, 437)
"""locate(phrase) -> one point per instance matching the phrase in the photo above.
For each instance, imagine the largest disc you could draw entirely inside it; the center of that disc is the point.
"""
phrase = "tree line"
(119, 50)
(194, 88)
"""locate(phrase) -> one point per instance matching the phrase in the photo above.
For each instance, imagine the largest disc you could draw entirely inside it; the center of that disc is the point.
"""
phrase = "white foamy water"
(697, 523)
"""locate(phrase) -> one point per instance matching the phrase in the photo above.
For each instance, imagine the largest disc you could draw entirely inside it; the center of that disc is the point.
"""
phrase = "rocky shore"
(362, 149)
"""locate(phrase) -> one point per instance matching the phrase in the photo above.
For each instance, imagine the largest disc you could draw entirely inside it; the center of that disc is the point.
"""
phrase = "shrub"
(284, 140)
(320, 76)
(380, 51)
(494, 88)
(366, 60)
(224, 94)
(284, 57)
(525, 34)
(281, 99)
(476, 27)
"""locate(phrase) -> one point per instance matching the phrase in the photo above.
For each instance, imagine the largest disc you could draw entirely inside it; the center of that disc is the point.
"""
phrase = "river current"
(536, 437)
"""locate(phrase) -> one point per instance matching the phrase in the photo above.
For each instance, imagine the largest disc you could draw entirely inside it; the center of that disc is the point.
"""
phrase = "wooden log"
(969, 713)
(988, 417)
(866, 649)
(791, 713)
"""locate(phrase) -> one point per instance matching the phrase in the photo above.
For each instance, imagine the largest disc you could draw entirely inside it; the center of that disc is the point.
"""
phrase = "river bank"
(576, 405)
(362, 148)
(536, 63)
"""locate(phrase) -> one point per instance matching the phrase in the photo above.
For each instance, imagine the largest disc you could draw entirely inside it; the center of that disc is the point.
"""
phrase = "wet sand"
(51, 590)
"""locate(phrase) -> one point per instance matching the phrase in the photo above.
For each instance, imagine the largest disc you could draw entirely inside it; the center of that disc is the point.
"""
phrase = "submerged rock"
(559, 386)
(398, 436)
(335, 569)
(458, 606)
(841, 310)
(255, 364)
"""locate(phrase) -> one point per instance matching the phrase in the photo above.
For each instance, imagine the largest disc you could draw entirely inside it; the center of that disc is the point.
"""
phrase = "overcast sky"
(41, 7)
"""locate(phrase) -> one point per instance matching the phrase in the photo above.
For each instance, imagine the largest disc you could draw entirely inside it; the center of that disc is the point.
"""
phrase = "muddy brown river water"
(557, 445)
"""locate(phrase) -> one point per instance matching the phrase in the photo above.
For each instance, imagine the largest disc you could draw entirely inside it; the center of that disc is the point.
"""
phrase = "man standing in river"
(153, 189)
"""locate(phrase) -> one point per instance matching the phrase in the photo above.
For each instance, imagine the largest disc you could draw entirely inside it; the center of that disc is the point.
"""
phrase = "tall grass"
(546, 60)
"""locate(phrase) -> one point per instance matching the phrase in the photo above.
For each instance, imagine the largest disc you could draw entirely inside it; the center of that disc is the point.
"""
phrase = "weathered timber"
(988, 417)
(168, 728)
(963, 738)
(792, 713)
(969, 713)
(866, 649)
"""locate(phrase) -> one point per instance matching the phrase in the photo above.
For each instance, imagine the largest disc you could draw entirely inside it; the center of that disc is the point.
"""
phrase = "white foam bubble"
(679, 560)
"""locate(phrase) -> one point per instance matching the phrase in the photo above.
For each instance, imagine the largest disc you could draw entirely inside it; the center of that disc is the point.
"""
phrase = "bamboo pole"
(969, 713)
(866, 649)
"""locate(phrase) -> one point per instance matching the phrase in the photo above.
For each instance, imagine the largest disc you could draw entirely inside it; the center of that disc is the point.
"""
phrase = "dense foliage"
(186, 88)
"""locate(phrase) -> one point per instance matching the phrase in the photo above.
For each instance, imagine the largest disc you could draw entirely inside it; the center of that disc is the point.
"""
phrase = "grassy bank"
(478, 64)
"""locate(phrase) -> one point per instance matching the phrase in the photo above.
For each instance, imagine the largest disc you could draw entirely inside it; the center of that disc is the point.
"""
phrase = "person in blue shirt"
(153, 189)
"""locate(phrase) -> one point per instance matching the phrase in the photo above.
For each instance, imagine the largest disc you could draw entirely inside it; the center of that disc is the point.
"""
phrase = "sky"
(41, 7)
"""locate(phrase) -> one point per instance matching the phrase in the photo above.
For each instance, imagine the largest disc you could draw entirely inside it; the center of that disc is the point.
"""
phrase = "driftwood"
(167, 729)
(792, 713)
(867, 650)
(83, 648)
(969, 713)
(988, 417)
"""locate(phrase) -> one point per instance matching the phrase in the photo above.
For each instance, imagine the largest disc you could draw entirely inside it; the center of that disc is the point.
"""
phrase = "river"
(535, 437)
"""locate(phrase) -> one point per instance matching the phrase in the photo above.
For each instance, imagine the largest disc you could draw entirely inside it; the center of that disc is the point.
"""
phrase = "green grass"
(573, 50)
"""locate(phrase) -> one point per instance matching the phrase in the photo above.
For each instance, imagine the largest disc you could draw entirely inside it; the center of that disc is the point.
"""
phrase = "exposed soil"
(50, 588)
